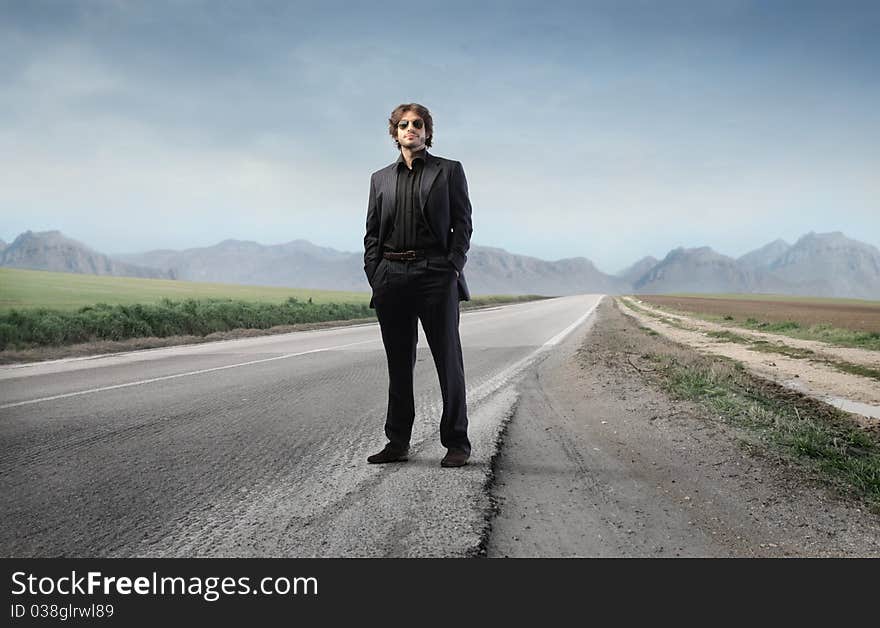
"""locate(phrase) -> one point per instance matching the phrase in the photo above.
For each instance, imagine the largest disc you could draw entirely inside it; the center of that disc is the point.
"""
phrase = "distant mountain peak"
(53, 251)
(700, 269)
(636, 271)
(764, 256)
(234, 241)
(52, 234)
(832, 237)
(700, 252)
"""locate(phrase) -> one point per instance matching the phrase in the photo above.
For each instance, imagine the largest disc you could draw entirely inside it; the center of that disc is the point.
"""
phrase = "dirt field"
(857, 317)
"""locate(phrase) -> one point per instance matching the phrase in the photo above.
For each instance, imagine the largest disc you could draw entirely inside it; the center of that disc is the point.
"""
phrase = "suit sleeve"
(460, 217)
(371, 239)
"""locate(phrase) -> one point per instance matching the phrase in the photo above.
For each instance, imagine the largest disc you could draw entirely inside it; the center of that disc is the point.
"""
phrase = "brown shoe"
(390, 454)
(454, 458)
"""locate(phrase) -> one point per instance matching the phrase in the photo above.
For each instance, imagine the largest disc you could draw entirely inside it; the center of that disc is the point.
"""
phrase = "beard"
(413, 143)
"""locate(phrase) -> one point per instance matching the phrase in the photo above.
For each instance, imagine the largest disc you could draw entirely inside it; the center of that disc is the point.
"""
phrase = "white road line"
(500, 379)
(166, 377)
(561, 335)
(212, 346)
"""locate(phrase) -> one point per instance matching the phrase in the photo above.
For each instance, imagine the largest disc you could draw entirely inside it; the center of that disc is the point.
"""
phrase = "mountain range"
(818, 264)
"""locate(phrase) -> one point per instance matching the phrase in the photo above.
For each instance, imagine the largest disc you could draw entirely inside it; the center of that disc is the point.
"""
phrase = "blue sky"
(609, 130)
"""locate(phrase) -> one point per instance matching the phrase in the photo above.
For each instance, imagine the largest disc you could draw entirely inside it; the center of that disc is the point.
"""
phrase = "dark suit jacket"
(444, 204)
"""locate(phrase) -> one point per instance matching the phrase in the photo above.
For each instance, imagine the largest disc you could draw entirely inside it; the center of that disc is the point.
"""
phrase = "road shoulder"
(598, 461)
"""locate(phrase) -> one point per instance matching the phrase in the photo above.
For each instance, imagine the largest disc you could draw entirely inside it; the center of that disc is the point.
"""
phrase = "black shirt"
(410, 231)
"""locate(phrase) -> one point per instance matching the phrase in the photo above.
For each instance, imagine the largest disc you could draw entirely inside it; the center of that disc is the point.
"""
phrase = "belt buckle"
(409, 255)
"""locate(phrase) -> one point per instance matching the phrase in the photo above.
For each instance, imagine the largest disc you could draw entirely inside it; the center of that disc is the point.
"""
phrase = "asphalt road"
(257, 447)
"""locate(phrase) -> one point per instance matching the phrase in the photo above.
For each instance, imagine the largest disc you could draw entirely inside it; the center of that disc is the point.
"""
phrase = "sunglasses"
(403, 124)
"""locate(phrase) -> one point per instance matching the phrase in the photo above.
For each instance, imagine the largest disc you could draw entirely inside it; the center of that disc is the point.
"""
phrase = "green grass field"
(30, 289)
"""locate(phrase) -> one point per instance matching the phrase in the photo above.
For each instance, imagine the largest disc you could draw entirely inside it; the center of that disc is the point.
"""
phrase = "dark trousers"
(405, 292)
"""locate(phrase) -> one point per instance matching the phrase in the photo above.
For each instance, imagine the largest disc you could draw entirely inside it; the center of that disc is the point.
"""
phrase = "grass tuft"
(823, 438)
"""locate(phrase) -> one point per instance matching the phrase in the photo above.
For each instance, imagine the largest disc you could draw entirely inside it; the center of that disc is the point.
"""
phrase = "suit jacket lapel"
(429, 175)
(390, 203)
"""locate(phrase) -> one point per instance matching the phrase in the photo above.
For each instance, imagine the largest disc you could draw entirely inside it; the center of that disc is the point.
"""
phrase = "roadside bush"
(9, 334)
(42, 327)
(50, 329)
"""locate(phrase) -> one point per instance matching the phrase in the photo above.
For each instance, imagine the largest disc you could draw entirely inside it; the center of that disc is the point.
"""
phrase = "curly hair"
(423, 113)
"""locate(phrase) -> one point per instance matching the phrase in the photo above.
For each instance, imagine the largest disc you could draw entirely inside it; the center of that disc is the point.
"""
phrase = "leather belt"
(409, 256)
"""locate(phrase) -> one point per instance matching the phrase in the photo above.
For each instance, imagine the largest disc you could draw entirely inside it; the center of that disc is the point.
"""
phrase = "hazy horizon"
(605, 130)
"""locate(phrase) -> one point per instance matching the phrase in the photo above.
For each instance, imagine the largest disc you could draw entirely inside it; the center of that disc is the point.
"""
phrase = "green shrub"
(44, 327)
(9, 335)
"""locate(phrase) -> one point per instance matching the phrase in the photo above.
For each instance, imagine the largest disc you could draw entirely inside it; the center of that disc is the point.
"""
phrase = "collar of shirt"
(421, 155)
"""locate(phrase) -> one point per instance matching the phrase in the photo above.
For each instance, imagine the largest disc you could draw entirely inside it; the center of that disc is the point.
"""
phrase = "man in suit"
(415, 248)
